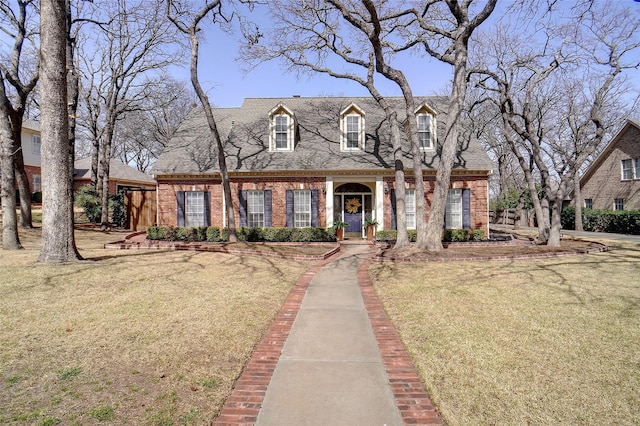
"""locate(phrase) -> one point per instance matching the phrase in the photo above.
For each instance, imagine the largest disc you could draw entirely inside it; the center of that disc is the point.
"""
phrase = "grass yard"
(130, 337)
(554, 341)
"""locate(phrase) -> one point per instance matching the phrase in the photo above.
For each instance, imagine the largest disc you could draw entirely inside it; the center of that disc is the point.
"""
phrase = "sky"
(227, 85)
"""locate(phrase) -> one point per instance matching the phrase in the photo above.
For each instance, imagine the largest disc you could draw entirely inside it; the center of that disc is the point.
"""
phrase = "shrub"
(615, 221)
(478, 235)
(276, 234)
(303, 235)
(156, 232)
(116, 208)
(36, 197)
(213, 234)
(87, 198)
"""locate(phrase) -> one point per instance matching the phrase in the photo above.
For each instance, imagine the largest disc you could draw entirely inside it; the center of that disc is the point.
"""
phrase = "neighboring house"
(31, 153)
(121, 176)
(612, 181)
(307, 162)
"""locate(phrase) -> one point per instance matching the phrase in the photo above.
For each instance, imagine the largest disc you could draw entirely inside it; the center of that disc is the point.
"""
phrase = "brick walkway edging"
(411, 398)
(244, 403)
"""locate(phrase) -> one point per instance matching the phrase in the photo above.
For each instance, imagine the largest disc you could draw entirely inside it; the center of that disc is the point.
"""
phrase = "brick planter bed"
(138, 241)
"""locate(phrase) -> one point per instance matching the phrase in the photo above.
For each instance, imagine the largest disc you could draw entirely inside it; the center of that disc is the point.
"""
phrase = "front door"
(353, 212)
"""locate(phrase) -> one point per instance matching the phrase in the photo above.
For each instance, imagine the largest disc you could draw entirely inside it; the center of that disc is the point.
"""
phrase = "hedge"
(449, 235)
(215, 234)
(613, 221)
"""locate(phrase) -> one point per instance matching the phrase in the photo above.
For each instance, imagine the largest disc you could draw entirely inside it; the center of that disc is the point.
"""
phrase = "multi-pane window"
(281, 132)
(410, 207)
(194, 208)
(35, 144)
(588, 203)
(453, 214)
(352, 131)
(627, 170)
(255, 208)
(636, 168)
(37, 183)
(618, 204)
(302, 208)
(424, 131)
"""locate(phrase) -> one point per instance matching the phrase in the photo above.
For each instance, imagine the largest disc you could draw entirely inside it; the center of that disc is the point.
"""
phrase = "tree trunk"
(10, 239)
(449, 148)
(58, 242)
(222, 161)
(24, 189)
(402, 236)
(105, 163)
(577, 196)
(73, 92)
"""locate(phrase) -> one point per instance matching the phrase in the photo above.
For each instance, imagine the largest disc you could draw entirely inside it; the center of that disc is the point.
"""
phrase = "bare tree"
(557, 98)
(187, 19)
(10, 238)
(58, 242)
(131, 46)
(19, 69)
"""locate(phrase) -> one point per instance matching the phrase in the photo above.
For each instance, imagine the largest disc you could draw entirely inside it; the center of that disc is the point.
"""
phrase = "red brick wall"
(477, 184)
(606, 183)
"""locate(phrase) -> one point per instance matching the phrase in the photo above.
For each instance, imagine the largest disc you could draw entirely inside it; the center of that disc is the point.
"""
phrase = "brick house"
(300, 162)
(30, 139)
(121, 176)
(612, 181)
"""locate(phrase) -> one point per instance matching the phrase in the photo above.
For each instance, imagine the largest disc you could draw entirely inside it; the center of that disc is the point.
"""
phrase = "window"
(353, 131)
(255, 208)
(194, 208)
(37, 183)
(588, 203)
(627, 171)
(424, 131)
(352, 128)
(302, 208)
(281, 132)
(410, 207)
(618, 204)
(453, 214)
(636, 168)
(35, 144)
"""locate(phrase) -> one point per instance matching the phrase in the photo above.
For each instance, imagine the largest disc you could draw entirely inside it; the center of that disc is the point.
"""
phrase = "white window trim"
(194, 210)
(614, 204)
(410, 208)
(352, 111)
(35, 144)
(628, 169)
(590, 201)
(251, 222)
(306, 208)
(453, 217)
(282, 111)
(431, 130)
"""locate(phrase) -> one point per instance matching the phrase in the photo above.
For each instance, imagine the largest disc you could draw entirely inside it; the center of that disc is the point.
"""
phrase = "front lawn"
(130, 337)
(553, 341)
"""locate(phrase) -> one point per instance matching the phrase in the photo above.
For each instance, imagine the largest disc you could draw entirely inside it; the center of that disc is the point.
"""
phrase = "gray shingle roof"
(245, 132)
(117, 170)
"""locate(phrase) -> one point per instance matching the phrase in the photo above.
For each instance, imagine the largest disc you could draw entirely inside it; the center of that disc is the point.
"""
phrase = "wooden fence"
(141, 209)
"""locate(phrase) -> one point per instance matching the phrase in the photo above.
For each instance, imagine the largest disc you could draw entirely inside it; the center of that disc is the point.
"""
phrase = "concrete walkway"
(331, 358)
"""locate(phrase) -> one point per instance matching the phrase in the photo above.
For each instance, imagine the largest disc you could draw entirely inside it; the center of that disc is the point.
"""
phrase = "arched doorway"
(353, 204)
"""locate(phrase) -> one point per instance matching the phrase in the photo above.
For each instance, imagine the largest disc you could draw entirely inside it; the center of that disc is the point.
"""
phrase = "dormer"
(282, 129)
(426, 124)
(352, 128)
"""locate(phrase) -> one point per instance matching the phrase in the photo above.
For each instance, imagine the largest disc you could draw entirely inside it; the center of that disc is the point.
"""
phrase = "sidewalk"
(331, 357)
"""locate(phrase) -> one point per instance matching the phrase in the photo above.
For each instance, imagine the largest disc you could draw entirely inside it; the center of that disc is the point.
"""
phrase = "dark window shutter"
(268, 200)
(289, 207)
(466, 208)
(315, 208)
(393, 209)
(207, 208)
(242, 201)
(180, 199)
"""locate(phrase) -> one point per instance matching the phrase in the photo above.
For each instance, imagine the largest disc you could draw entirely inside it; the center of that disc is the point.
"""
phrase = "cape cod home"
(307, 162)
(612, 181)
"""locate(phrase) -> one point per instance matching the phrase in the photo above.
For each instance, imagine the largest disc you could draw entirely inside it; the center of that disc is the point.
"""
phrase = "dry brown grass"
(554, 341)
(130, 337)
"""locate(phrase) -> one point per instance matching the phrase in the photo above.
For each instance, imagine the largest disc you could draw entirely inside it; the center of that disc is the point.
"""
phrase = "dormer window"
(282, 126)
(352, 128)
(425, 117)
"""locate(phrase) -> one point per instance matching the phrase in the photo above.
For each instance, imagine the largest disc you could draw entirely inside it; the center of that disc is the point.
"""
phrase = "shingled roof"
(245, 132)
(117, 170)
